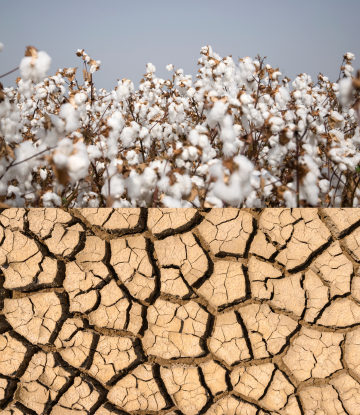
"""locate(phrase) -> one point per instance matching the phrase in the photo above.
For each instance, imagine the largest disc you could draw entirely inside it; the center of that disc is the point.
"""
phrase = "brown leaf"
(141, 167)
(61, 175)
(177, 152)
(248, 139)
(2, 93)
(303, 170)
(47, 123)
(280, 190)
(87, 134)
(333, 137)
(262, 183)
(72, 77)
(31, 51)
(261, 73)
(356, 81)
(229, 164)
(172, 178)
(283, 140)
(86, 75)
(6, 151)
(193, 193)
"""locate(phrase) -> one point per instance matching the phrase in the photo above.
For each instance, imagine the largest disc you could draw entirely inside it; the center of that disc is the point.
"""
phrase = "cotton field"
(241, 134)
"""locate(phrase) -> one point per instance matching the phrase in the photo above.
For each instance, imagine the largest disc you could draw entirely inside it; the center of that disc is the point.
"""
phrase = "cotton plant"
(241, 134)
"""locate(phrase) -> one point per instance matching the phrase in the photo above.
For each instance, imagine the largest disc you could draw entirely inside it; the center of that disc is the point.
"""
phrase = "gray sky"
(296, 35)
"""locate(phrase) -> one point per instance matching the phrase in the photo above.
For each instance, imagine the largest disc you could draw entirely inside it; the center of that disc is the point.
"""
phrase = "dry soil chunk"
(227, 231)
(268, 331)
(355, 285)
(231, 405)
(82, 287)
(121, 221)
(65, 242)
(165, 221)
(131, 262)
(35, 317)
(183, 384)
(113, 355)
(227, 341)
(42, 220)
(251, 381)
(93, 252)
(352, 244)
(15, 409)
(277, 395)
(13, 353)
(214, 376)
(317, 296)
(335, 269)
(42, 382)
(113, 310)
(76, 344)
(268, 283)
(352, 350)
(277, 224)
(261, 247)
(340, 220)
(6, 388)
(342, 312)
(174, 330)
(80, 398)
(20, 258)
(108, 409)
(226, 285)
(321, 400)
(309, 235)
(13, 218)
(85, 275)
(349, 392)
(172, 283)
(184, 252)
(138, 391)
(314, 354)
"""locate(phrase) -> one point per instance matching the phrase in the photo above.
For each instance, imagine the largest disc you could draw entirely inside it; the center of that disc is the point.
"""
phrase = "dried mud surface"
(180, 311)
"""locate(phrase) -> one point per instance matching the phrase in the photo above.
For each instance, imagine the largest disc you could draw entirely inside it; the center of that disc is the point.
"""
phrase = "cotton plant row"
(241, 134)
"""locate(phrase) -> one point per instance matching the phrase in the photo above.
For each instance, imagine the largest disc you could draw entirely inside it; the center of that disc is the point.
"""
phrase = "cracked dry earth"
(180, 311)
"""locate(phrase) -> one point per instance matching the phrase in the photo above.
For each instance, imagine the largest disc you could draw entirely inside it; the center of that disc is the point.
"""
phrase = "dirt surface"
(180, 311)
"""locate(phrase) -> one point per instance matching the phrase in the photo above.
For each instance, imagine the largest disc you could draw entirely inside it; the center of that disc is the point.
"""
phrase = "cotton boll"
(43, 174)
(169, 67)
(194, 137)
(93, 153)
(150, 68)
(290, 199)
(193, 153)
(346, 89)
(35, 69)
(170, 202)
(217, 113)
(132, 157)
(66, 146)
(127, 137)
(80, 98)
(51, 199)
(324, 186)
(228, 137)
(71, 117)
